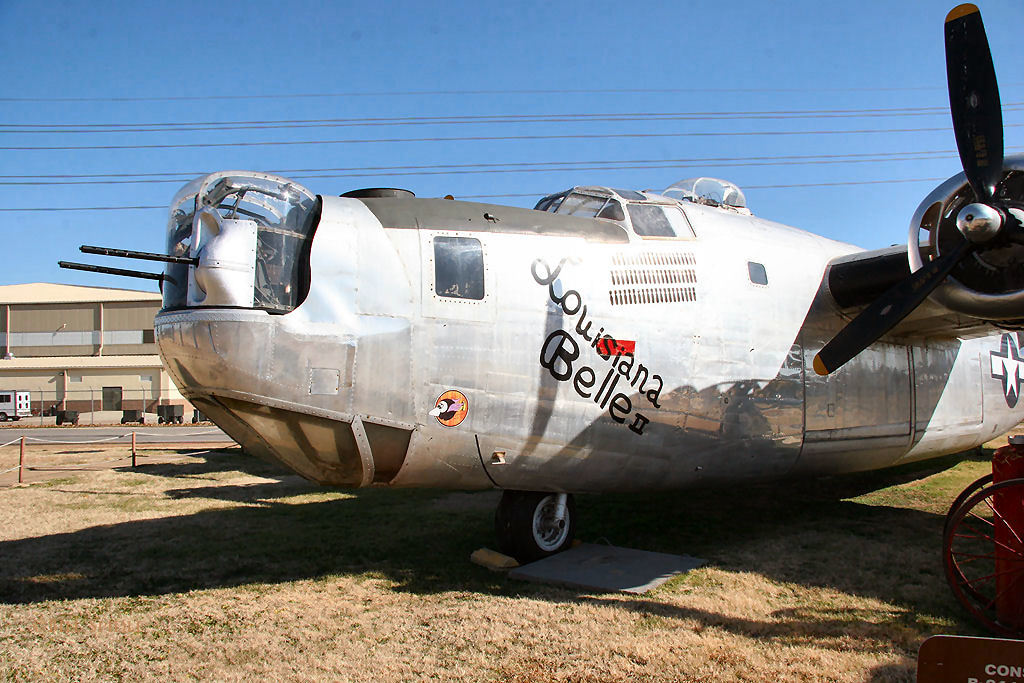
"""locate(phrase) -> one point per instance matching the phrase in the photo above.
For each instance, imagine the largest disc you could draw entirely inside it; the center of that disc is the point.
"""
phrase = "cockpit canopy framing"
(645, 214)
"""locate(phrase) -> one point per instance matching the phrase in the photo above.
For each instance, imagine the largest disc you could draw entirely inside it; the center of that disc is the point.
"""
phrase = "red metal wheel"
(971, 489)
(984, 556)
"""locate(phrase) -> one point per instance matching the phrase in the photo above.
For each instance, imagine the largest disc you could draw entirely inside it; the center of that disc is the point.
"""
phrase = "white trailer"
(15, 405)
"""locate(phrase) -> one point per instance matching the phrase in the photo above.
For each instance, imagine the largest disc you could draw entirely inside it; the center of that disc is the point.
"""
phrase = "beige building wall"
(53, 329)
(80, 348)
(128, 328)
(82, 389)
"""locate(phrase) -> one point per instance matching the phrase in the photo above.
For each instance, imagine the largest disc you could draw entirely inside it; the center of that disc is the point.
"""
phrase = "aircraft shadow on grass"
(803, 533)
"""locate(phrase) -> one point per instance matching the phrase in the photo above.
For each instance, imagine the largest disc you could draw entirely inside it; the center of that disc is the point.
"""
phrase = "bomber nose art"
(260, 326)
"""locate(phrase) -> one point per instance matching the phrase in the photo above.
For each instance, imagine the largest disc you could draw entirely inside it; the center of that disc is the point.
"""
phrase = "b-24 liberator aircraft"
(607, 340)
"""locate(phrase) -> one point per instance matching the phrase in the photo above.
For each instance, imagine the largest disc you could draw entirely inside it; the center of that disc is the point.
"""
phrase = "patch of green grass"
(650, 622)
(60, 481)
(698, 578)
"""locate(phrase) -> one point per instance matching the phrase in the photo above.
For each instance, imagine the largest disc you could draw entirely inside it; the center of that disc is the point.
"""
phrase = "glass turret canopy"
(710, 191)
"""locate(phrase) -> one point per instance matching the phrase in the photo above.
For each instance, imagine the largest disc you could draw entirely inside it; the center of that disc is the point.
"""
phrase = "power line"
(143, 127)
(193, 174)
(747, 187)
(442, 93)
(498, 196)
(481, 138)
(553, 167)
(481, 91)
(80, 208)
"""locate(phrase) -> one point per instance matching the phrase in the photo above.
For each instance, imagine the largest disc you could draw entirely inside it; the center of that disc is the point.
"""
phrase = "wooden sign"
(962, 659)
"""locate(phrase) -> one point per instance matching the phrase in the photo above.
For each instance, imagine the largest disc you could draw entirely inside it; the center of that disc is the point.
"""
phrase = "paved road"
(113, 433)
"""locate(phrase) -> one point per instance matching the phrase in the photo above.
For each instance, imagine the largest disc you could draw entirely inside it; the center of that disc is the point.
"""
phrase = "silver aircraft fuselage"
(586, 358)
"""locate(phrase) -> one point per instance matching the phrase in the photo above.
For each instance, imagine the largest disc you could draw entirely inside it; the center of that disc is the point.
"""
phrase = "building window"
(459, 268)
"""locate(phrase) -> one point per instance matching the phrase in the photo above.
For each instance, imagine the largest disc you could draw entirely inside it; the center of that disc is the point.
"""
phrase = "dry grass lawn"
(215, 566)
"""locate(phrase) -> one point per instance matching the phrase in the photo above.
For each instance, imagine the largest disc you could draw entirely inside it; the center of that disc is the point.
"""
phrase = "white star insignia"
(1006, 366)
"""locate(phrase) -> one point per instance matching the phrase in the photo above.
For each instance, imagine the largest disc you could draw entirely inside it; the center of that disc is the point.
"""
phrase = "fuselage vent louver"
(653, 278)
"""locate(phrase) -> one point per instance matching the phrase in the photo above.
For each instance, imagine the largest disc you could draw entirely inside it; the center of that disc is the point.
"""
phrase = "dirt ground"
(209, 564)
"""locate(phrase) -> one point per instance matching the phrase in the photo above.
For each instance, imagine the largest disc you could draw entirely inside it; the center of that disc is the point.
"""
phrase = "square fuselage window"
(757, 272)
(458, 268)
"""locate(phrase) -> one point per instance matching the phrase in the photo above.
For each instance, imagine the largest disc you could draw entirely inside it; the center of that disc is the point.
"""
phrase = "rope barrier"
(138, 435)
(150, 434)
(113, 438)
(88, 466)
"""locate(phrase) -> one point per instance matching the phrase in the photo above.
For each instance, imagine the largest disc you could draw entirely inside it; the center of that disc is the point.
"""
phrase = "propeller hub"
(979, 223)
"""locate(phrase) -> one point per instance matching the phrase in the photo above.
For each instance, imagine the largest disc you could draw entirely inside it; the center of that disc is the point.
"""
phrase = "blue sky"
(686, 82)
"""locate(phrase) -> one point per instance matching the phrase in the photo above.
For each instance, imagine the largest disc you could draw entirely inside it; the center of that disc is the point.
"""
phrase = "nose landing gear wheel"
(531, 526)
(983, 552)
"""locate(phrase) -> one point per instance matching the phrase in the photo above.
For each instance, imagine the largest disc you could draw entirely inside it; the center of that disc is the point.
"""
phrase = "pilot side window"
(458, 268)
(650, 220)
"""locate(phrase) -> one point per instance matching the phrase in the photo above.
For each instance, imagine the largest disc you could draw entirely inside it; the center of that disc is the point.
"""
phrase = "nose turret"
(248, 235)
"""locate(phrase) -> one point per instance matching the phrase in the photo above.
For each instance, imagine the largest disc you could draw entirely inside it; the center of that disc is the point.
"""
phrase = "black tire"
(3, 417)
(520, 525)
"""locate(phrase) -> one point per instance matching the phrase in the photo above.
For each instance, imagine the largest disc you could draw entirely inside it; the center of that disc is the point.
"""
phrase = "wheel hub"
(549, 529)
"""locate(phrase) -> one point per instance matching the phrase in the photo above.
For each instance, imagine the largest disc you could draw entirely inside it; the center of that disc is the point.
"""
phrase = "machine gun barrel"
(115, 271)
(142, 255)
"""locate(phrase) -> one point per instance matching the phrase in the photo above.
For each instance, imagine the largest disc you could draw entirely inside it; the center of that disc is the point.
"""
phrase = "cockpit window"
(550, 204)
(649, 220)
(631, 195)
(649, 215)
(612, 210)
(581, 205)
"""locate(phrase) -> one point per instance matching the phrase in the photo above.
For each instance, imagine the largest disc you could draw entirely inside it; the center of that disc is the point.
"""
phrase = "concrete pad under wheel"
(607, 568)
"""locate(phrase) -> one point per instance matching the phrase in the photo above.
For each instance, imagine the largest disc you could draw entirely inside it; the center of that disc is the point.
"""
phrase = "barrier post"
(133, 450)
(21, 462)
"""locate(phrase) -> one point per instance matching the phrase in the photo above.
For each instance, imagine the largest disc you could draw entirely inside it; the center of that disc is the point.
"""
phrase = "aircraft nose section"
(281, 395)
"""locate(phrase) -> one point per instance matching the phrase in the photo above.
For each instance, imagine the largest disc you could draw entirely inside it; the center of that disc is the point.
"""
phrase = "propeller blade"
(974, 100)
(887, 310)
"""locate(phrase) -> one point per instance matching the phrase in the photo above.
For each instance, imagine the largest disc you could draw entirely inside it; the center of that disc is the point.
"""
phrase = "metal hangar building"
(88, 349)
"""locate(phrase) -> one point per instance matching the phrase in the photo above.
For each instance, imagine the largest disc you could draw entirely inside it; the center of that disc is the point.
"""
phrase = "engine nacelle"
(989, 283)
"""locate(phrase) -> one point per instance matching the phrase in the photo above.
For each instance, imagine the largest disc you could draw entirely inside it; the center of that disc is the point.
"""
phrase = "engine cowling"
(989, 283)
